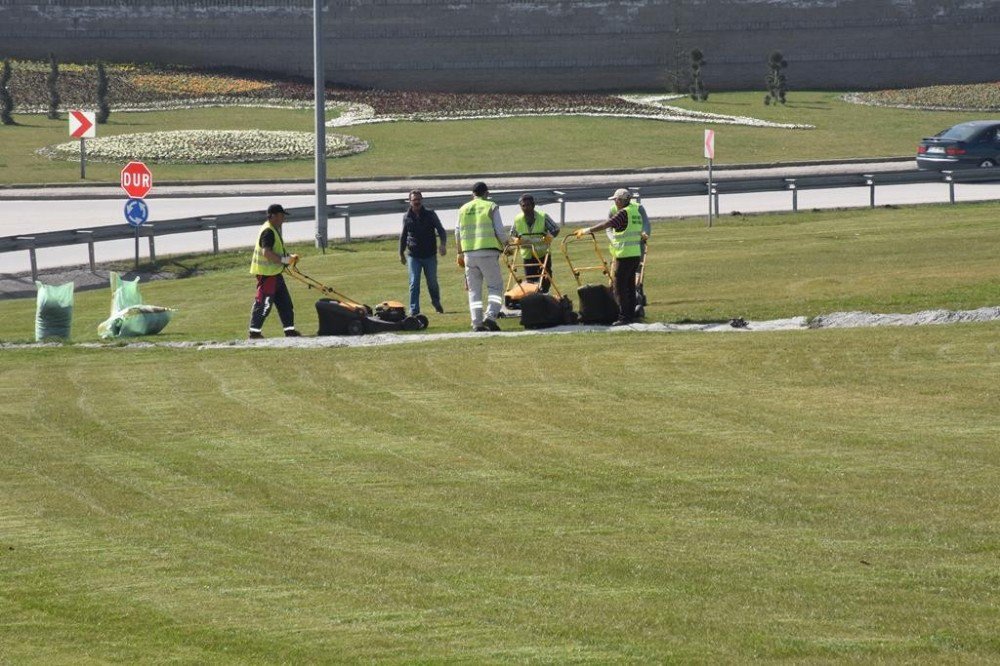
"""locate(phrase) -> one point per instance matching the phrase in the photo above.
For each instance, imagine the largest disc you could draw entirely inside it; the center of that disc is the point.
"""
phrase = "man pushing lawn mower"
(627, 237)
(268, 262)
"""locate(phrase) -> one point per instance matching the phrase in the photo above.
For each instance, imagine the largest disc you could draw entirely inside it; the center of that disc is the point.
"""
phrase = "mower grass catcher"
(339, 315)
(598, 304)
(538, 308)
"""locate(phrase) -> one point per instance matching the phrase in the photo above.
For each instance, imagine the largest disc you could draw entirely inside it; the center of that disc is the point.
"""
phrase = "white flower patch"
(655, 109)
(677, 113)
(354, 113)
(206, 147)
(864, 100)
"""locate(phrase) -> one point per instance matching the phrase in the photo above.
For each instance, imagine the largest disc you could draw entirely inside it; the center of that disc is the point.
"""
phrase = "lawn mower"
(340, 315)
(537, 308)
(597, 301)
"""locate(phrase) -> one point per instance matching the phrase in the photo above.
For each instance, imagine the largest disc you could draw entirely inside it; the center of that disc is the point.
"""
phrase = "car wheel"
(987, 164)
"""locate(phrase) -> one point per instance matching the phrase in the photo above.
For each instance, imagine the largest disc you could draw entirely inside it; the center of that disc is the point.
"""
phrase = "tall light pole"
(319, 85)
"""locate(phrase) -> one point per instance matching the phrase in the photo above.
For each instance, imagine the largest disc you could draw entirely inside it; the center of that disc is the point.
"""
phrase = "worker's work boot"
(255, 335)
(491, 324)
(292, 333)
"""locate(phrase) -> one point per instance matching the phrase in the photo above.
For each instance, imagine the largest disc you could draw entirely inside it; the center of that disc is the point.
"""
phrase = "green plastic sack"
(135, 320)
(124, 293)
(54, 311)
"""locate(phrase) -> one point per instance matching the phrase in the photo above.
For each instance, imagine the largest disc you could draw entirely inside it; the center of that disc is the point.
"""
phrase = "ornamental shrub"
(698, 91)
(6, 101)
(103, 109)
(52, 84)
(776, 82)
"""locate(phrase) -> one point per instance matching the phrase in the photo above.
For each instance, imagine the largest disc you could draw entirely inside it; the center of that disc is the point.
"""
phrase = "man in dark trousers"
(418, 249)
(269, 260)
(626, 235)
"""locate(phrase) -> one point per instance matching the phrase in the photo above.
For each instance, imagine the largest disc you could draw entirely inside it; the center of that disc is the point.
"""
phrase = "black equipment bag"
(597, 304)
(335, 318)
(540, 310)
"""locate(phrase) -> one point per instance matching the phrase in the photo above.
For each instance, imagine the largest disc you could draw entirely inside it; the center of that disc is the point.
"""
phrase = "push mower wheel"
(640, 312)
(355, 327)
(423, 321)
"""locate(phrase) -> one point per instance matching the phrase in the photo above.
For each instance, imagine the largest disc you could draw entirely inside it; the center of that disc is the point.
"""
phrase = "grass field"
(808, 496)
(515, 145)
(760, 267)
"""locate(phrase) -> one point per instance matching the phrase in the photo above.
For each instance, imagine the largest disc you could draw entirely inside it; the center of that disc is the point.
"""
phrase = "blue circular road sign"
(136, 212)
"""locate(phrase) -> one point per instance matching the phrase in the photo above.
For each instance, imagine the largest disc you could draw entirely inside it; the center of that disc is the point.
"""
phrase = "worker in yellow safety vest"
(626, 232)
(268, 262)
(480, 239)
(535, 229)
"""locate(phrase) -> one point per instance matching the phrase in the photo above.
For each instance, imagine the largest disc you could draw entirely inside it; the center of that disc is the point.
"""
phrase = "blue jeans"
(430, 268)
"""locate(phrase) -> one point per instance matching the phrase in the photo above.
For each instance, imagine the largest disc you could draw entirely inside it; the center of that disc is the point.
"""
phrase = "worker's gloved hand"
(460, 260)
(402, 259)
(290, 259)
(644, 236)
(547, 239)
(580, 233)
(515, 240)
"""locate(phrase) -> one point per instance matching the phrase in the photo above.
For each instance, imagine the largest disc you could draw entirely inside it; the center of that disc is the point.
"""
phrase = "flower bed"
(976, 97)
(148, 88)
(647, 107)
(205, 147)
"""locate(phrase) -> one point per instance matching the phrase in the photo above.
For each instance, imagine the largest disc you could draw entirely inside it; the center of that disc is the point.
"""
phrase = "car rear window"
(960, 132)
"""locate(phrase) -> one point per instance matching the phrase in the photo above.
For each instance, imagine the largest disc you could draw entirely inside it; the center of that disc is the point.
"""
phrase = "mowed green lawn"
(818, 496)
(511, 145)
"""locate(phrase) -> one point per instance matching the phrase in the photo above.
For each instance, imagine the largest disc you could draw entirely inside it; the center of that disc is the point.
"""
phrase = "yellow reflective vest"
(535, 231)
(259, 265)
(627, 243)
(475, 225)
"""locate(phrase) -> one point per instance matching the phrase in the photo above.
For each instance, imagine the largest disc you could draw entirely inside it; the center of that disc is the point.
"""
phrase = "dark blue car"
(966, 145)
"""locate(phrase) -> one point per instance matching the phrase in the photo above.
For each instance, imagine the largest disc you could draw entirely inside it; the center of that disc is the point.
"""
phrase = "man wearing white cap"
(627, 230)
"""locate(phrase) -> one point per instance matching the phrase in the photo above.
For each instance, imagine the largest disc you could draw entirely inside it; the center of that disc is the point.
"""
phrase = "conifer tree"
(6, 101)
(103, 109)
(53, 84)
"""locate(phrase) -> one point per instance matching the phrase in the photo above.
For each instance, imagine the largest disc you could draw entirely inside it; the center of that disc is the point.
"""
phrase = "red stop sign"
(137, 180)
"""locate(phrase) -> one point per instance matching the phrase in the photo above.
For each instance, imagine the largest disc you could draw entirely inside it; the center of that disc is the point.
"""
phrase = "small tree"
(698, 91)
(775, 81)
(52, 83)
(675, 74)
(6, 101)
(103, 109)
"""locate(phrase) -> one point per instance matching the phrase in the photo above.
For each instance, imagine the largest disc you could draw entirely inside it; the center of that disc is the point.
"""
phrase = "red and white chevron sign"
(710, 144)
(82, 124)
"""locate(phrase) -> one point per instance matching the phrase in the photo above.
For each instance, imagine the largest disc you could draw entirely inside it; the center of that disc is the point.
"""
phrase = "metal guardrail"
(213, 223)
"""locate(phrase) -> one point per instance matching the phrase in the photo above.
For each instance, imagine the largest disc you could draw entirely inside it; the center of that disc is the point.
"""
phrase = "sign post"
(710, 156)
(137, 181)
(83, 126)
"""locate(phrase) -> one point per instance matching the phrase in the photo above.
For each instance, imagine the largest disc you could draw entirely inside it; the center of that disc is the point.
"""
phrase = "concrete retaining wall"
(531, 45)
